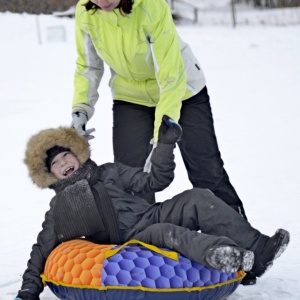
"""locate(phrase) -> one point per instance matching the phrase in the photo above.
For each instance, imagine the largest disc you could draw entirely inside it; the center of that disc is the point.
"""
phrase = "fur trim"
(38, 145)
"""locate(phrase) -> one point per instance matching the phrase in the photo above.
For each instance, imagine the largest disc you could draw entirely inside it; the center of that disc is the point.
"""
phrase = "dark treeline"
(49, 6)
(271, 3)
(35, 6)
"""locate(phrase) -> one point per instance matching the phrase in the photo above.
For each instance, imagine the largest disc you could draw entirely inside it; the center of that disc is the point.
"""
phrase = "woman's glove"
(27, 294)
(169, 131)
(79, 120)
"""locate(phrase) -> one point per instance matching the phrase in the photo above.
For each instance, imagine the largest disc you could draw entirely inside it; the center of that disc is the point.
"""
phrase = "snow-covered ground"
(253, 76)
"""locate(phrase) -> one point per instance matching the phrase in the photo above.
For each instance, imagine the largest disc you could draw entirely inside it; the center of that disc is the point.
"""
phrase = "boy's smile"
(64, 165)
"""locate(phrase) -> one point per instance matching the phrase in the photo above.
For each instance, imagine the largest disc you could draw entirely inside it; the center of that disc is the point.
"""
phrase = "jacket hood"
(37, 146)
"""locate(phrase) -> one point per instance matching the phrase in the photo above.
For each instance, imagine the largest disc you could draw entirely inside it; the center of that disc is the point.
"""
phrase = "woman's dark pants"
(133, 129)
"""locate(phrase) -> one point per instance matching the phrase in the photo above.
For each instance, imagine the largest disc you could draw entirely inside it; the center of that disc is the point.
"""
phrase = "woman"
(154, 73)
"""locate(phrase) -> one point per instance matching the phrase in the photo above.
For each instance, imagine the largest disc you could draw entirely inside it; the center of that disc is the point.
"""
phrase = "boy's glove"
(79, 120)
(27, 295)
(169, 131)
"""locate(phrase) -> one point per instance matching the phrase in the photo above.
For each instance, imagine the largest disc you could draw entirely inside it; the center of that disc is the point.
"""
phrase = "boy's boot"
(230, 259)
(249, 279)
(269, 250)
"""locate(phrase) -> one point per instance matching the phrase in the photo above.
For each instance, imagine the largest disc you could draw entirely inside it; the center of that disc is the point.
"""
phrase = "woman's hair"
(125, 6)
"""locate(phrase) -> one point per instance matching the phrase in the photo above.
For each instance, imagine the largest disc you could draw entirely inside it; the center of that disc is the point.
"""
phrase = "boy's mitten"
(79, 120)
(169, 131)
(27, 295)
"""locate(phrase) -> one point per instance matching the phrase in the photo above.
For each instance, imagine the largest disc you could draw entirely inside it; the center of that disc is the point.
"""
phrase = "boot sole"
(230, 259)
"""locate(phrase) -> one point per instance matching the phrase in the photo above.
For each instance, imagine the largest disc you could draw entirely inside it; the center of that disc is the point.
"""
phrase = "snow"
(253, 77)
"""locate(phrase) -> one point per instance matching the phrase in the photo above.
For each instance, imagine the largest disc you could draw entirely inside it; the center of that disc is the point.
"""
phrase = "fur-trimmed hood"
(38, 145)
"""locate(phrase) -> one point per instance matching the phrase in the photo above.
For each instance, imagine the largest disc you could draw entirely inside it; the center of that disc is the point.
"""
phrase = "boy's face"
(64, 165)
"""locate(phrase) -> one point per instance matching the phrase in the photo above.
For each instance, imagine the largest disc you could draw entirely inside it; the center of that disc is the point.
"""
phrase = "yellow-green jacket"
(150, 64)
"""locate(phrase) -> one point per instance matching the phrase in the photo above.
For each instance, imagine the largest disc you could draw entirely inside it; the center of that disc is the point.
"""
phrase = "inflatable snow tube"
(82, 270)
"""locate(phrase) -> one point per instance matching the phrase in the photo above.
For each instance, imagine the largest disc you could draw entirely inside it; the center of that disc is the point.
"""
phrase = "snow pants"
(175, 224)
(133, 129)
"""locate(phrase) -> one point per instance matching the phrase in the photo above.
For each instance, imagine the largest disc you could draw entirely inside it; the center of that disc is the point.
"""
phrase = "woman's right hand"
(79, 120)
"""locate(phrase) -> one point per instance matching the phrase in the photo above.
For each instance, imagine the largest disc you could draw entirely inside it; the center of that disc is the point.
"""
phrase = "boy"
(100, 204)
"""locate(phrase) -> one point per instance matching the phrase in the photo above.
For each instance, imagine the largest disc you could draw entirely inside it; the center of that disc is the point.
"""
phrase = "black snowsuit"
(99, 203)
